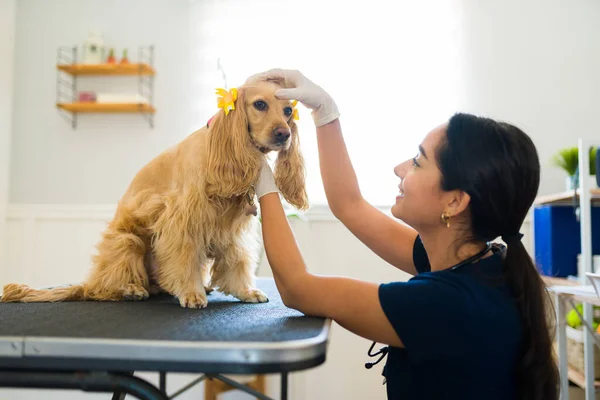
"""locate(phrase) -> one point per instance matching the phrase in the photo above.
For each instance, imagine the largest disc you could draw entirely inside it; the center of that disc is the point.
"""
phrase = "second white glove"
(266, 181)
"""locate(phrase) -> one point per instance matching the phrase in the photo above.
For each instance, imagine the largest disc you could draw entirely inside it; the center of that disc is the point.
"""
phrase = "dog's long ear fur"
(232, 167)
(290, 173)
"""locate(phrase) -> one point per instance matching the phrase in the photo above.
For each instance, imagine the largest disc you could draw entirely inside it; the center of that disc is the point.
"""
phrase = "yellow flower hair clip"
(295, 112)
(226, 99)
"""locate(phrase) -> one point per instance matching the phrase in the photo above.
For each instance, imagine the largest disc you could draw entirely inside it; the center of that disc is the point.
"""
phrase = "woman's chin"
(396, 210)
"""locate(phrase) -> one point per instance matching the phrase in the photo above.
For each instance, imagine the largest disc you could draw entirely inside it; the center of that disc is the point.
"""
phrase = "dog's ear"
(290, 174)
(231, 166)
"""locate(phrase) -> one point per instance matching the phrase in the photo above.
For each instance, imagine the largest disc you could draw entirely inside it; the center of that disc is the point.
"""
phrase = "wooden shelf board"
(106, 69)
(554, 281)
(566, 198)
(579, 379)
(106, 107)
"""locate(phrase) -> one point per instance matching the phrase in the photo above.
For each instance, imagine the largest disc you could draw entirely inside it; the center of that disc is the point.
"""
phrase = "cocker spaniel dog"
(184, 226)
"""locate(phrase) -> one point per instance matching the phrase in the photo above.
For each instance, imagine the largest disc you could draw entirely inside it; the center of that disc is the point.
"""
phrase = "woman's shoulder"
(473, 282)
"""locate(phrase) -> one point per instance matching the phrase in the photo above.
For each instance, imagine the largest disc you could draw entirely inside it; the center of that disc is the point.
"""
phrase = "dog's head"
(259, 124)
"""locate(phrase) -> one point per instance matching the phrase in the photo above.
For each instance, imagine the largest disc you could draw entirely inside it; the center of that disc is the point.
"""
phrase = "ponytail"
(497, 165)
(537, 373)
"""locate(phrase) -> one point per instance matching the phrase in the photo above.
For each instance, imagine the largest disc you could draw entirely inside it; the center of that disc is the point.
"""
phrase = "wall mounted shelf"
(69, 71)
(106, 69)
(106, 107)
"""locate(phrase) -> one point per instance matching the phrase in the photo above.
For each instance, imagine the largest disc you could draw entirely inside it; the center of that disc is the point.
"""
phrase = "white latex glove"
(298, 87)
(266, 181)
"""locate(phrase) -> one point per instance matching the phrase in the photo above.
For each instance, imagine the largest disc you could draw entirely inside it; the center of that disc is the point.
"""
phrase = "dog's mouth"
(266, 148)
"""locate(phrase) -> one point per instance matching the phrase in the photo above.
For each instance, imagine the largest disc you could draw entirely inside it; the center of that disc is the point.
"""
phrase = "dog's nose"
(281, 135)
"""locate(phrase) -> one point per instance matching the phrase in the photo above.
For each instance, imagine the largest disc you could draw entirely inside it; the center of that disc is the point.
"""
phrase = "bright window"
(391, 66)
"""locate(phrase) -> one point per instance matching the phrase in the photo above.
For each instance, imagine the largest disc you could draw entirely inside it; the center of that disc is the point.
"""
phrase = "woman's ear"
(290, 174)
(458, 202)
(232, 168)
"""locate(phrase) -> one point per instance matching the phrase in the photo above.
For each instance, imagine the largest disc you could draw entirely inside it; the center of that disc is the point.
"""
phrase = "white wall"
(535, 63)
(51, 163)
(7, 41)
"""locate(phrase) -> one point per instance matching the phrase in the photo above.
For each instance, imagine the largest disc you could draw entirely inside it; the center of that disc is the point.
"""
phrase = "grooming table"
(97, 346)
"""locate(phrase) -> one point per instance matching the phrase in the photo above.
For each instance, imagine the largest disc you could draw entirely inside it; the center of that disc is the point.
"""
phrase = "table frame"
(108, 365)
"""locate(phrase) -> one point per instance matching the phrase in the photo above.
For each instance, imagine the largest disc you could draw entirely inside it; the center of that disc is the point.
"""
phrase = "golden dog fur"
(183, 225)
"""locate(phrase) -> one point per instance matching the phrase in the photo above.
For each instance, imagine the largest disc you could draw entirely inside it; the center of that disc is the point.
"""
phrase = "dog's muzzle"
(281, 135)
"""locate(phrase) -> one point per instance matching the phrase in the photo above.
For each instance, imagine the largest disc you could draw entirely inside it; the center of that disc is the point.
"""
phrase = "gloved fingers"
(289, 94)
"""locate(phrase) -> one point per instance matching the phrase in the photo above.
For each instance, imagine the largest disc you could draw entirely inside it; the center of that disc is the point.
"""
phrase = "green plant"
(568, 160)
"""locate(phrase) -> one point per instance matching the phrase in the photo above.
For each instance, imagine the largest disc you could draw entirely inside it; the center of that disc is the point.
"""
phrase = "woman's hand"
(298, 87)
(266, 181)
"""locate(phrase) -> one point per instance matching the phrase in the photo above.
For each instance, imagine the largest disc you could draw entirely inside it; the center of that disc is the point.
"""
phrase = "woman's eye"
(415, 162)
(288, 111)
(260, 105)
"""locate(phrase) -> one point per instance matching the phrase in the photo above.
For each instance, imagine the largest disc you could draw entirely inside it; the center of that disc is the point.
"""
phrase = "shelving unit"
(69, 70)
(584, 198)
(566, 198)
(574, 376)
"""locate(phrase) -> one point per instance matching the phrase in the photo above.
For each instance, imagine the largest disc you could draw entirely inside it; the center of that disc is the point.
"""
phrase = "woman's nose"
(399, 170)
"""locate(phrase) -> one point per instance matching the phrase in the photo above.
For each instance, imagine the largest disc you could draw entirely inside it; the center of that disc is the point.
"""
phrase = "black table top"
(159, 332)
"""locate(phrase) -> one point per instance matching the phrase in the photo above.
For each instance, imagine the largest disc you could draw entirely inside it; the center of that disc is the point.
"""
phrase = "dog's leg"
(180, 270)
(233, 272)
(119, 272)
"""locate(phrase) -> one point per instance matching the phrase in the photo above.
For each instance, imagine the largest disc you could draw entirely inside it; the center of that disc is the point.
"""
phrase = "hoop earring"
(446, 219)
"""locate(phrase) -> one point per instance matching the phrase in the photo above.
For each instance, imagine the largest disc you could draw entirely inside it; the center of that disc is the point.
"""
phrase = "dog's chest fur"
(233, 223)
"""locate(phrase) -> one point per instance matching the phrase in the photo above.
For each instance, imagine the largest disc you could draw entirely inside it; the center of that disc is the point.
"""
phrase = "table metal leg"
(86, 381)
(284, 386)
(188, 386)
(588, 353)
(162, 381)
(118, 395)
(561, 332)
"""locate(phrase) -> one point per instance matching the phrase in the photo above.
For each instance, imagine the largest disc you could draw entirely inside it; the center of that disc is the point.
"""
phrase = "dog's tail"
(14, 292)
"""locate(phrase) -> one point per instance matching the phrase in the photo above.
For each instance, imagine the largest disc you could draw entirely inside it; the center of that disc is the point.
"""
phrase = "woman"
(471, 323)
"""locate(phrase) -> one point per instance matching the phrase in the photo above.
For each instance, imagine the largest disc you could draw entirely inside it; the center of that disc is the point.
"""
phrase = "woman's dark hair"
(497, 165)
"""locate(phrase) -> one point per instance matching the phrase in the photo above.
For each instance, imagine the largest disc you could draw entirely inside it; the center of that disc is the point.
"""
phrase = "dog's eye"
(288, 111)
(260, 105)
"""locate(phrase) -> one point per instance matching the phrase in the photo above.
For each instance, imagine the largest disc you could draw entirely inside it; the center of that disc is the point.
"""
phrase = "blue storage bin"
(557, 236)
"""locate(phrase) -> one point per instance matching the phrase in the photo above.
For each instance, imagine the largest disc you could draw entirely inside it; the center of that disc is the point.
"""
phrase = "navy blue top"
(460, 328)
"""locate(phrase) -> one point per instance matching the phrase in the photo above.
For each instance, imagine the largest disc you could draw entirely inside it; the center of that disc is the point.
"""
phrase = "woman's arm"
(351, 303)
(388, 238)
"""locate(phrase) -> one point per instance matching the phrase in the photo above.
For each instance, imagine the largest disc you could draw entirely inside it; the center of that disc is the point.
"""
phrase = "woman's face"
(421, 201)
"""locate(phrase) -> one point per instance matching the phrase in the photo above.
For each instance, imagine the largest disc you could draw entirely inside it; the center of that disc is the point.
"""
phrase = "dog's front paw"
(193, 300)
(134, 292)
(253, 296)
